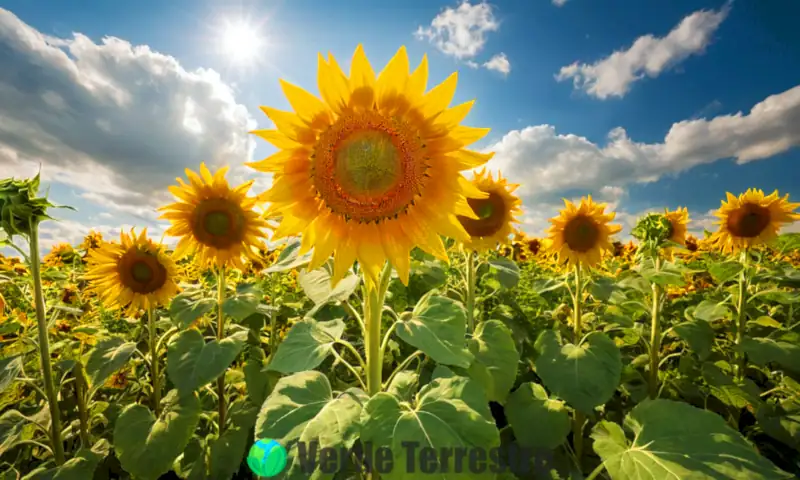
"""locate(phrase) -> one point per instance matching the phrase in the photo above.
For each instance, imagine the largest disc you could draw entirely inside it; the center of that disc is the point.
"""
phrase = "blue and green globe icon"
(267, 458)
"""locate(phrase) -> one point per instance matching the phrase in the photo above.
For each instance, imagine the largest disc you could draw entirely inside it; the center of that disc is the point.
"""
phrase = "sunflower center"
(141, 271)
(218, 223)
(368, 167)
(581, 234)
(491, 216)
(367, 162)
(749, 220)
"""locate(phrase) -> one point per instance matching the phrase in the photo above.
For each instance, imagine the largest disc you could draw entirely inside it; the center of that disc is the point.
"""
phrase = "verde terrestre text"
(415, 458)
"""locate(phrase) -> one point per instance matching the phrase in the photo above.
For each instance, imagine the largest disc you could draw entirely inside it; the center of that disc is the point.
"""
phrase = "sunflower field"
(378, 313)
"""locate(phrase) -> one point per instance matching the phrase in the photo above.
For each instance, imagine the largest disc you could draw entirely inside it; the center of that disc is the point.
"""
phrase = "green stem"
(82, 398)
(741, 318)
(273, 318)
(155, 374)
(373, 308)
(44, 346)
(655, 335)
(223, 408)
(597, 471)
(578, 419)
(471, 291)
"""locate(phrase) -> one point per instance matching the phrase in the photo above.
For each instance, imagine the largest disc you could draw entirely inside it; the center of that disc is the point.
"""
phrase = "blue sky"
(643, 104)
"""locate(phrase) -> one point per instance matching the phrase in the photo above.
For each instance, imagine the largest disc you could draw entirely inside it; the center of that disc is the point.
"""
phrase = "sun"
(240, 42)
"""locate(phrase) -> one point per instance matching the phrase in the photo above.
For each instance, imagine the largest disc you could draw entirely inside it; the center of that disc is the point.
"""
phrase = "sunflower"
(678, 220)
(60, 253)
(752, 219)
(580, 234)
(91, 241)
(216, 223)
(495, 213)
(372, 170)
(135, 273)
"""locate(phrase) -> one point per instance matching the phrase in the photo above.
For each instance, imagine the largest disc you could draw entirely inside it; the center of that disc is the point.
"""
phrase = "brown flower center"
(141, 271)
(218, 223)
(367, 167)
(581, 233)
(491, 216)
(749, 220)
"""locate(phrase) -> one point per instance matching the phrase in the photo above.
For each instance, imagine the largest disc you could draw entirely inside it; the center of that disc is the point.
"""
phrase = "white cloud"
(559, 3)
(549, 165)
(118, 121)
(499, 63)
(460, 32)
(612, 76)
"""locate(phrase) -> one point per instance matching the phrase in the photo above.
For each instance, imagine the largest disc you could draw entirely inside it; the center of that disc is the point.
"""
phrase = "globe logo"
(267, 458)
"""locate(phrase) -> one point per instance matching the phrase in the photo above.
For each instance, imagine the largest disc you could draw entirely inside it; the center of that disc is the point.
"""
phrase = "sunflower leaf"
(107, 356)
(243, 303)
(437, 327)
(190, 305)
(193, 363)
(307, 344)
(529, 405)
(496, 359)
(289, 259)
(147, 446)
(701, 445)
(584, 375)
(9, 370)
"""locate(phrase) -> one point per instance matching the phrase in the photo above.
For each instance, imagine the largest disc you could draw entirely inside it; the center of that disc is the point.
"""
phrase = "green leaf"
(676, 440)
(192, 363)
(304, 409)
(585, 375)
(727, 389)
(259, 383)
(108, 355)
(668, 274)
(448, 413)
(190, 305)
(763, 351)
(699, 335)
(403, 385)
(289, 259)
(765, 321)
(11, 426)
(779, 424)
(721, 272)
(530, 406)
(191, 464)
(228, 450)
(84, 463)
(505, 271)
(9, 370)
(437, 327)
(307, 344)
(496, 359)
(317, 285)
(146, 446)
(710, 311)
(243, 303)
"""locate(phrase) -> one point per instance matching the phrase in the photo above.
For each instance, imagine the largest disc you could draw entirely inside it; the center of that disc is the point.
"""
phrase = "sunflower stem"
(372, 314)
(44, 346)
(578, 417)
(82, 398)
(471, 291)
(741, 318)
(655, 335)
(155, 374)
(223, 408)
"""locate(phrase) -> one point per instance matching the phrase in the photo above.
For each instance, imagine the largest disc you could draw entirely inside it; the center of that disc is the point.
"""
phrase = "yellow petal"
(440, 96)
(276, 138)
(332, 85)
(392, 80)
(308, 107)
(418, 82)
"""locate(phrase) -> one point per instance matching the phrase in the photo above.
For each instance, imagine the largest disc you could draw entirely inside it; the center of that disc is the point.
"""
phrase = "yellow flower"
(752, 219)
(135, 273)
(678, 220)
(91, 241)
(373, 169)
(495, 213)
(58, 254)
(216, 223)
(579, 235)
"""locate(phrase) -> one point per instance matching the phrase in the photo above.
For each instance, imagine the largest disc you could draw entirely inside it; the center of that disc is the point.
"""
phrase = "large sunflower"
(372, 170)
(135, 273)
(579, 235)
(495, 213)
(216, 222)
(678, 220)
(752, 219)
